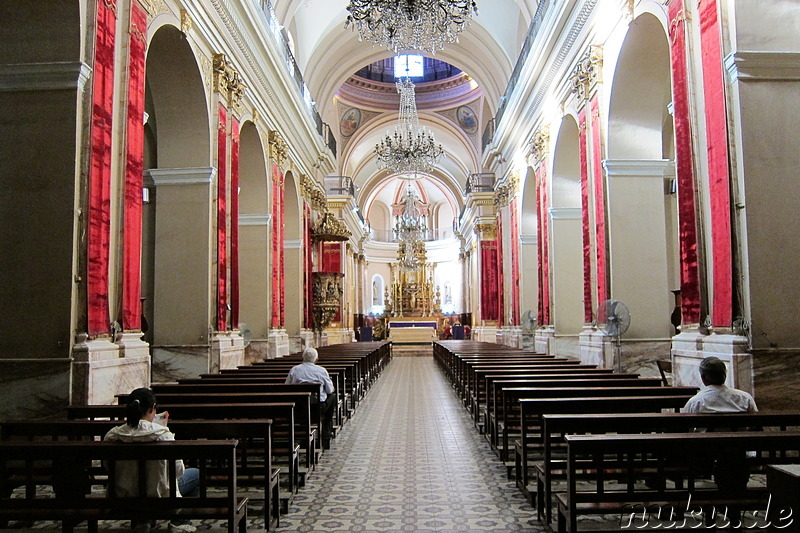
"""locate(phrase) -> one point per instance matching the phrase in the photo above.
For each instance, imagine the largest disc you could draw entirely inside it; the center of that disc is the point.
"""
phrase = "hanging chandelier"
(410, 148)
(410, 229)
(425, 25)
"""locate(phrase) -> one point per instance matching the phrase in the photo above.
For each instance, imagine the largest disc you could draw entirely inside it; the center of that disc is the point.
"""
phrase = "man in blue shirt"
(309, 372)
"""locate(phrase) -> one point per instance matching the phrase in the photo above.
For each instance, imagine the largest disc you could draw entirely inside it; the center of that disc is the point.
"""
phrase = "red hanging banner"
(501, 289)
(684, 165)
(234, 222)
(515, 274)
(544, 249)
(308, 267)
(489, 281)
(282, 248)
(134, 165)
(718, 165)
(587, 243)
(222, 234)
(599, 202)
(99, 219)
(277, 246)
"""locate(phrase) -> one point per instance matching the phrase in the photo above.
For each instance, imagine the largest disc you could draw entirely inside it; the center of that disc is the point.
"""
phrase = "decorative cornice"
(314, 196)
(587, 74)
(540, 144)
(760, 66)
(504, 194)
(565, 213)
(44, 76)
(486, 232)
(181, 176)
(330, 229)
(255, 220)
(638, 168)
(278, 150)
(227, 81)
(155, 7)
(293, 244)
(528, 238)
(428, 95)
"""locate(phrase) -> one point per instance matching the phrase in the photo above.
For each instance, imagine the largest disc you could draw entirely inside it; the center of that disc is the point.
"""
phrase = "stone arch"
(566, 238)
(529, 240)
(642, 204)
(293, 257)
(254, 265)
(178, 219)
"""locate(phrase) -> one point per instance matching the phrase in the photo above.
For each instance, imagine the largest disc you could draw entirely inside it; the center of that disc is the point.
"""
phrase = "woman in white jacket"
(144, 425)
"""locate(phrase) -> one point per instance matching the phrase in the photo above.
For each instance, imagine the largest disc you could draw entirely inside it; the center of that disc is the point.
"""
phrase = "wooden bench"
(72, 500)
(632, 474)
(555, 427)
(253, 454)
(284, 446)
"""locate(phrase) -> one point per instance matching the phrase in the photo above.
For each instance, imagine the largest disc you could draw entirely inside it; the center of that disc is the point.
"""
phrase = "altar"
(420, 330)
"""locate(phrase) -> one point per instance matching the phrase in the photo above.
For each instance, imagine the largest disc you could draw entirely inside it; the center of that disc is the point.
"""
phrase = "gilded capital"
(587, 73)
(315, 197)
(486, 232)
(505, 193)
(540, 144)
(278, 149)
(227, 80)
(186, 22)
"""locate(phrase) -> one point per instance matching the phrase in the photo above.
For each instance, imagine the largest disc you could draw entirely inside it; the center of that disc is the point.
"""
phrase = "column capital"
(639, 168)
(180, 176)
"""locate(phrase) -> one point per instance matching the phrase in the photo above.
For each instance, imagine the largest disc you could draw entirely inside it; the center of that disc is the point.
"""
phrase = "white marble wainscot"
(689, 348)
(339, 335)
(515, 337)
(171, 363)
(296, 344)
(545, 340)
(639, 356)
(257, 350)
(34, 389)
(593, 348)
(227, 350)
(307, 338)
(776, 375)
(567, 346)
(278, 342)
(484, 333)
(528, 341)
(99, 372)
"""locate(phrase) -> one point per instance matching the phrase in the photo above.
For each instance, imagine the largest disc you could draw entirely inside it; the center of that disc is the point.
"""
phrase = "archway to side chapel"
(529, 239)
(566, 240)
(294, 272)
(642, 199)
(177, 249)
(254, 230)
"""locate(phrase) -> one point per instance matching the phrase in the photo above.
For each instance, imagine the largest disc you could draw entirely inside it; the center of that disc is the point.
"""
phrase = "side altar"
(413, 330)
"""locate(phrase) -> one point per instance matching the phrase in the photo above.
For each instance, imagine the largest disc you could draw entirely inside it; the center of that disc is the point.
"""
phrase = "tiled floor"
(410, 460)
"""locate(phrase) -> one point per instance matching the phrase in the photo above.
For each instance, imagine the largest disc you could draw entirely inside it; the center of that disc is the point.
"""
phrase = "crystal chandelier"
(410, 148)
(410, 229)
(425, 25)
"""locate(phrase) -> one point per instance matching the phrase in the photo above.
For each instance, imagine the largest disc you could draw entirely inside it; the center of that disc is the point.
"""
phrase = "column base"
(278, 342)
(544, 340)
(340, 335)
(596, 348)
(99, 372)
(307, 338)
(689, 348)
(484, 333)
(227, 350)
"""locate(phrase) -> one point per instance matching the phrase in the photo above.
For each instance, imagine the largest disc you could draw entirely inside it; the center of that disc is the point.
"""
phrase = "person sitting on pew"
(729, 468)
(144, 425)
(308, 372)
(716, 397)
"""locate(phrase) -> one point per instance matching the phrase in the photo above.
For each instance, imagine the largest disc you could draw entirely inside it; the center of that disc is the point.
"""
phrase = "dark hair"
(139, 402)
(713, 370)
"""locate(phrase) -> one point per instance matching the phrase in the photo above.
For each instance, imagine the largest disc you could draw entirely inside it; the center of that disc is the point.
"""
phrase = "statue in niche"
(376, 298)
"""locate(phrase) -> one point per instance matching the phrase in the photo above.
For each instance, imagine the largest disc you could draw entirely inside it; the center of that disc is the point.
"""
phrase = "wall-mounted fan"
(529, 321)
(614, 319)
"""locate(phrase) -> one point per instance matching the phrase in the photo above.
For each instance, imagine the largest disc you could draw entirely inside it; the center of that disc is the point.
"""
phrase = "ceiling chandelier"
(410, 229)
(410, 148)
(425, 25)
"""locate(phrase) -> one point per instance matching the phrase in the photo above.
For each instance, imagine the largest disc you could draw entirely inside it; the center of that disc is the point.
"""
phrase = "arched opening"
(642, 199)
(377, 302)
(177, 220)
(566, 241)
(529, 240)
(254, 226)
(294, 273)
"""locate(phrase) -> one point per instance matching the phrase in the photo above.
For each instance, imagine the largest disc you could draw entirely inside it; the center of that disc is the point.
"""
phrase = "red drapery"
(544, 252)
(587, 243)
(515, 310)
(99, 219)
(308, 262)
(599, 201)
(690, 286)
(718, 166)
(277, 246)
(489, 286)
(234, 222)
(501, 289)
(282, 265)
(222, 233)
(134, 152)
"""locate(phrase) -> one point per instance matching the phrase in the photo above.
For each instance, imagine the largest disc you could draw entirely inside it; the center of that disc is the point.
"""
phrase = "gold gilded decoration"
(137, 34)
(315, 197)
(206, 71)
(329, 229)
(278, 149)
(506, 192)
(112, 5)
(227, 81)
(587, 73)
(486, 232)
(186, 21)
(327, 293)
(627, 9)
(155, 7)
(540, 144)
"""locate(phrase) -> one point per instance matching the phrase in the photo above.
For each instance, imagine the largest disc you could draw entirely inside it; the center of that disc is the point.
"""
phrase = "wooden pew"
(71, 504)
(661, 458)
(284, 446)
(555, 427)
(254, 453)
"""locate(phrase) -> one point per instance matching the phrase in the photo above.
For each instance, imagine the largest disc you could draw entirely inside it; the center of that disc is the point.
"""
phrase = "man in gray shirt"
(309, 372)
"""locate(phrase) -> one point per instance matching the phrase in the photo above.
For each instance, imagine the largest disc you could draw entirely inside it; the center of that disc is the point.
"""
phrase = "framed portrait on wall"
(467, 119)
(350, 122)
